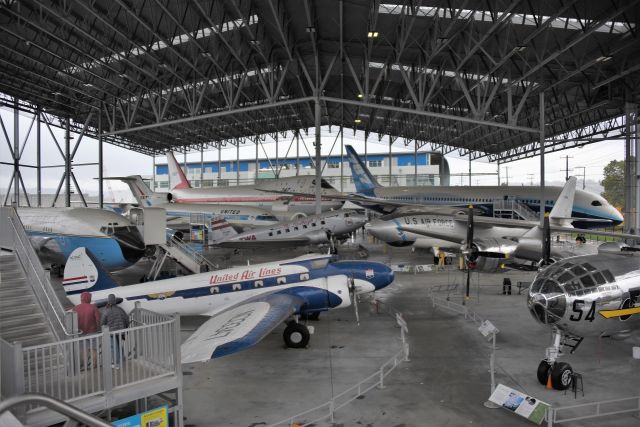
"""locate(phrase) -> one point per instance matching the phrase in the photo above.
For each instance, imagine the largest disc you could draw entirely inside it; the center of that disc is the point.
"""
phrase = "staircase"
(182, 254)
(514, 210)
(21, 319)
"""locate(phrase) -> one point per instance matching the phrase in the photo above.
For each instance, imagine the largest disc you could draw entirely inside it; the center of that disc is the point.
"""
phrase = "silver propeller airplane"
(312, 230)
(585, 296)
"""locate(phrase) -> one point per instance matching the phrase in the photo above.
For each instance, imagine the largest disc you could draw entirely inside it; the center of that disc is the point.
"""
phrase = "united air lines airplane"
(259, 195)
(56, 232)
(244, 303)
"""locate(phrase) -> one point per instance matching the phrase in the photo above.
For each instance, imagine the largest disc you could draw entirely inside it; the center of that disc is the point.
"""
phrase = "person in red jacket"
(88, 323)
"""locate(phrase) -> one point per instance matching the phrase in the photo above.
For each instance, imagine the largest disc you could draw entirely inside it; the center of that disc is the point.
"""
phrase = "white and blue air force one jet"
(244, 303)
(56, 232)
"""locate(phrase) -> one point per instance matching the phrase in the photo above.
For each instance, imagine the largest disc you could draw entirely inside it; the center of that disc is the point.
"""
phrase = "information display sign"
(519, 403)
(154, 418)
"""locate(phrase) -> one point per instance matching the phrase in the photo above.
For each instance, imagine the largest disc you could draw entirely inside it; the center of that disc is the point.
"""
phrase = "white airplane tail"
(177, 178)
(560, 215)
(220, 230)
(141, 191)
(83, 272)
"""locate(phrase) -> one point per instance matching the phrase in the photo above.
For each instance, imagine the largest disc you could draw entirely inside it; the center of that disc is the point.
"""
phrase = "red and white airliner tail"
(177, 178)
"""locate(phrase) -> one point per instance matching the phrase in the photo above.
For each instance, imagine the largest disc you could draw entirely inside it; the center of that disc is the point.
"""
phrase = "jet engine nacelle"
(169, 197)
(297, 215)
(279, 206)
(616, 247)
(318, 237)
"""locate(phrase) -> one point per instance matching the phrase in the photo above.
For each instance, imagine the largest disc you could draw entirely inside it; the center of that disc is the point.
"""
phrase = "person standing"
(116, 319)
(88, 323)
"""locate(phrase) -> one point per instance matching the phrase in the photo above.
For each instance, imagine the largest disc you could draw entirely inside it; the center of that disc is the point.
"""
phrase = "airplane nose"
(383, 230)
(131, 243)
(386, 278)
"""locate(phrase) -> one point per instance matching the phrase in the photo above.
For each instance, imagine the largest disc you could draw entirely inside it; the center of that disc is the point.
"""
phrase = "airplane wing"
(266, 244)
(239, 327)
(558, 229)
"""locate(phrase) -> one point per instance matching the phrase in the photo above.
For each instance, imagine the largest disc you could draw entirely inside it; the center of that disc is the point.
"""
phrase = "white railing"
(14, 237)
(96, 365)
(327, 410)
(627, 405)
(456, 308)
(197, 257)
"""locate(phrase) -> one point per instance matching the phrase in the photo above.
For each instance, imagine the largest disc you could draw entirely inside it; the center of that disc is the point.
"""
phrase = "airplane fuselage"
(56, 232)
(581, 295)
(309, 276)
(586, 205)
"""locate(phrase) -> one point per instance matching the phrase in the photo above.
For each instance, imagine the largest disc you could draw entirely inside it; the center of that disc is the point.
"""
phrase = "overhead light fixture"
(122, 75)
(56, 93)
(604, 58)
(372, 34)
(311, 29)
(254, 43)
(357, 121)
(206, 54)
(360, 96)
(87, 85)
(519, 48)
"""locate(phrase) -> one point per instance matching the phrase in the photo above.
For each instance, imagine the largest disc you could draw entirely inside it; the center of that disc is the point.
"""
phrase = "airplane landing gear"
(561, 373)
(296, 335)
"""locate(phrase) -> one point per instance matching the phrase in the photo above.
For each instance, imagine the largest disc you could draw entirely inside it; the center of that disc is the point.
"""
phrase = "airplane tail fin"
(562, 209)
(84, 272)
(364, 181)
(141, 191)
(220, 230)
(177, 178)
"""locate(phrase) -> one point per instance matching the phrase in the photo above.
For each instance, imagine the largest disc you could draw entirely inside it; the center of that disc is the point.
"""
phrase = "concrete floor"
(444, 384)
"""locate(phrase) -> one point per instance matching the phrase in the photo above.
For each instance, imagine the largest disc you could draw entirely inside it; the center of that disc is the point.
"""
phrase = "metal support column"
(154, 186)
(341, 159)
(297, 152)
(101, 164)
(390, 159)
(237, 163)
(257, 161)
(636, 135)
(16, 154)
(498, 173)
(38, 159)
(469, 168)
(201, 166)
(219, 164)
(542, 192)
(318, 157)
(629, 179)
(415, 163)
(67, 163)
(277, 171)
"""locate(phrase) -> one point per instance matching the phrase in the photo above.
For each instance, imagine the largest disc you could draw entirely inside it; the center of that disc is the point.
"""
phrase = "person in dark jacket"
(115, 318)
(88, 323)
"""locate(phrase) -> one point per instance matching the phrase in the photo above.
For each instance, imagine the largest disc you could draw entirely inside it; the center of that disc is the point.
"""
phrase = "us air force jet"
(499, 238)
(589, 210)
(585, 296)
(244, 303)
(273, 195)
(320, 229)
(178, 214)
(56, 232)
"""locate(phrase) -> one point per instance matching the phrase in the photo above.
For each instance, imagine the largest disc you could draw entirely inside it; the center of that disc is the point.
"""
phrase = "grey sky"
(119, 161)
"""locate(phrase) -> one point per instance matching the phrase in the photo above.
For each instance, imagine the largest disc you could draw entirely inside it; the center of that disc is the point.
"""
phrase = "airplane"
(589, 210)
(273, 195)
(493, 239)
(585, 296)
(244, 303)
(56, 232)
(310, 230)
(178, 214)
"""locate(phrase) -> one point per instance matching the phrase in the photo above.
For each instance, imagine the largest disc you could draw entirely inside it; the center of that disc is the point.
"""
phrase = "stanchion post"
(331, 409)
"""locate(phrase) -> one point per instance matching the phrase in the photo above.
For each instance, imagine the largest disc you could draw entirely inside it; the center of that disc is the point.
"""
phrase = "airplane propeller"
(354, 298)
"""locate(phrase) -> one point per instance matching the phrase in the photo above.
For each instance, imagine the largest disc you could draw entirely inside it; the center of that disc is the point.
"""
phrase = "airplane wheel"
(561, 376)
(296, 335)
(543, 372)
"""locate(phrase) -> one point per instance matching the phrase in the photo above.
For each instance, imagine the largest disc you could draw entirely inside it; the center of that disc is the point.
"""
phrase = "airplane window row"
(282, 280)
(296, 228)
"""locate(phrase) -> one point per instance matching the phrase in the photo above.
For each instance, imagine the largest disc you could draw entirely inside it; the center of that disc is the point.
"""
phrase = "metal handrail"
(57, 405)
(55, 306)
(200, 259)
(552, 414)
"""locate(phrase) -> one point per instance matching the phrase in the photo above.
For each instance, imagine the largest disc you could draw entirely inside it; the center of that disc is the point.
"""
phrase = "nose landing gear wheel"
(543, 372)
(296, 335)
(561, 376)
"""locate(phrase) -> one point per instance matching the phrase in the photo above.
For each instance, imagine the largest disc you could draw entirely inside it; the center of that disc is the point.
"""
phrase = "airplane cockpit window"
(596, 203)
(572, 286)
(346, 215)
(587, 281)
(578, 271)
(565, 277)
(550, 287)
(319, 263)
(589, 267)
(266, 218)
(536, 285)
(599, 278)
(607, 275)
